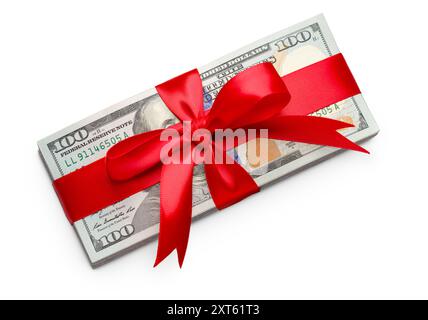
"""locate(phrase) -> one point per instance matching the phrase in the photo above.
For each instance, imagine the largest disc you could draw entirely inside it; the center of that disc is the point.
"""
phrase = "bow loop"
(183, 95)
(254, 95)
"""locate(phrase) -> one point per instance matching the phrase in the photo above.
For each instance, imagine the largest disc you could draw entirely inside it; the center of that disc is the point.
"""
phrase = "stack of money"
(129, 223)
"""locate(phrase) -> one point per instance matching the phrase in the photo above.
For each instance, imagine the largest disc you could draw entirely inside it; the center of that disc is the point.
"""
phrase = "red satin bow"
(257, 98)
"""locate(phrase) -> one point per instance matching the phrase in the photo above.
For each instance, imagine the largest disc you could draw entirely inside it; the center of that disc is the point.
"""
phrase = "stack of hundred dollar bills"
(129, 223)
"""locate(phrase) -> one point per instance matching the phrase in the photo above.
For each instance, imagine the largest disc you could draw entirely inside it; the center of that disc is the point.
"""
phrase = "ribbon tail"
(254, 95)
(175, 210)
(228, 182)
(310, 129)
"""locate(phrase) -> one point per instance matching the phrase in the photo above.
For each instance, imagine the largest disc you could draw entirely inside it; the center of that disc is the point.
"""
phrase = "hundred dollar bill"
(129, 223)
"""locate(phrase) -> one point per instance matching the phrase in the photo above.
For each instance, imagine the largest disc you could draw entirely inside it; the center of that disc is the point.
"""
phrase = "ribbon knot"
(198, 123)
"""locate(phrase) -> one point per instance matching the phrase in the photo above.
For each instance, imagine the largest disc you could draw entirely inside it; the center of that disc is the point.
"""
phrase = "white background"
(354, 226)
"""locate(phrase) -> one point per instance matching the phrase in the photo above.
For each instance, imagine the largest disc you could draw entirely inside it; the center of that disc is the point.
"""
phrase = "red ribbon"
(257, 98)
